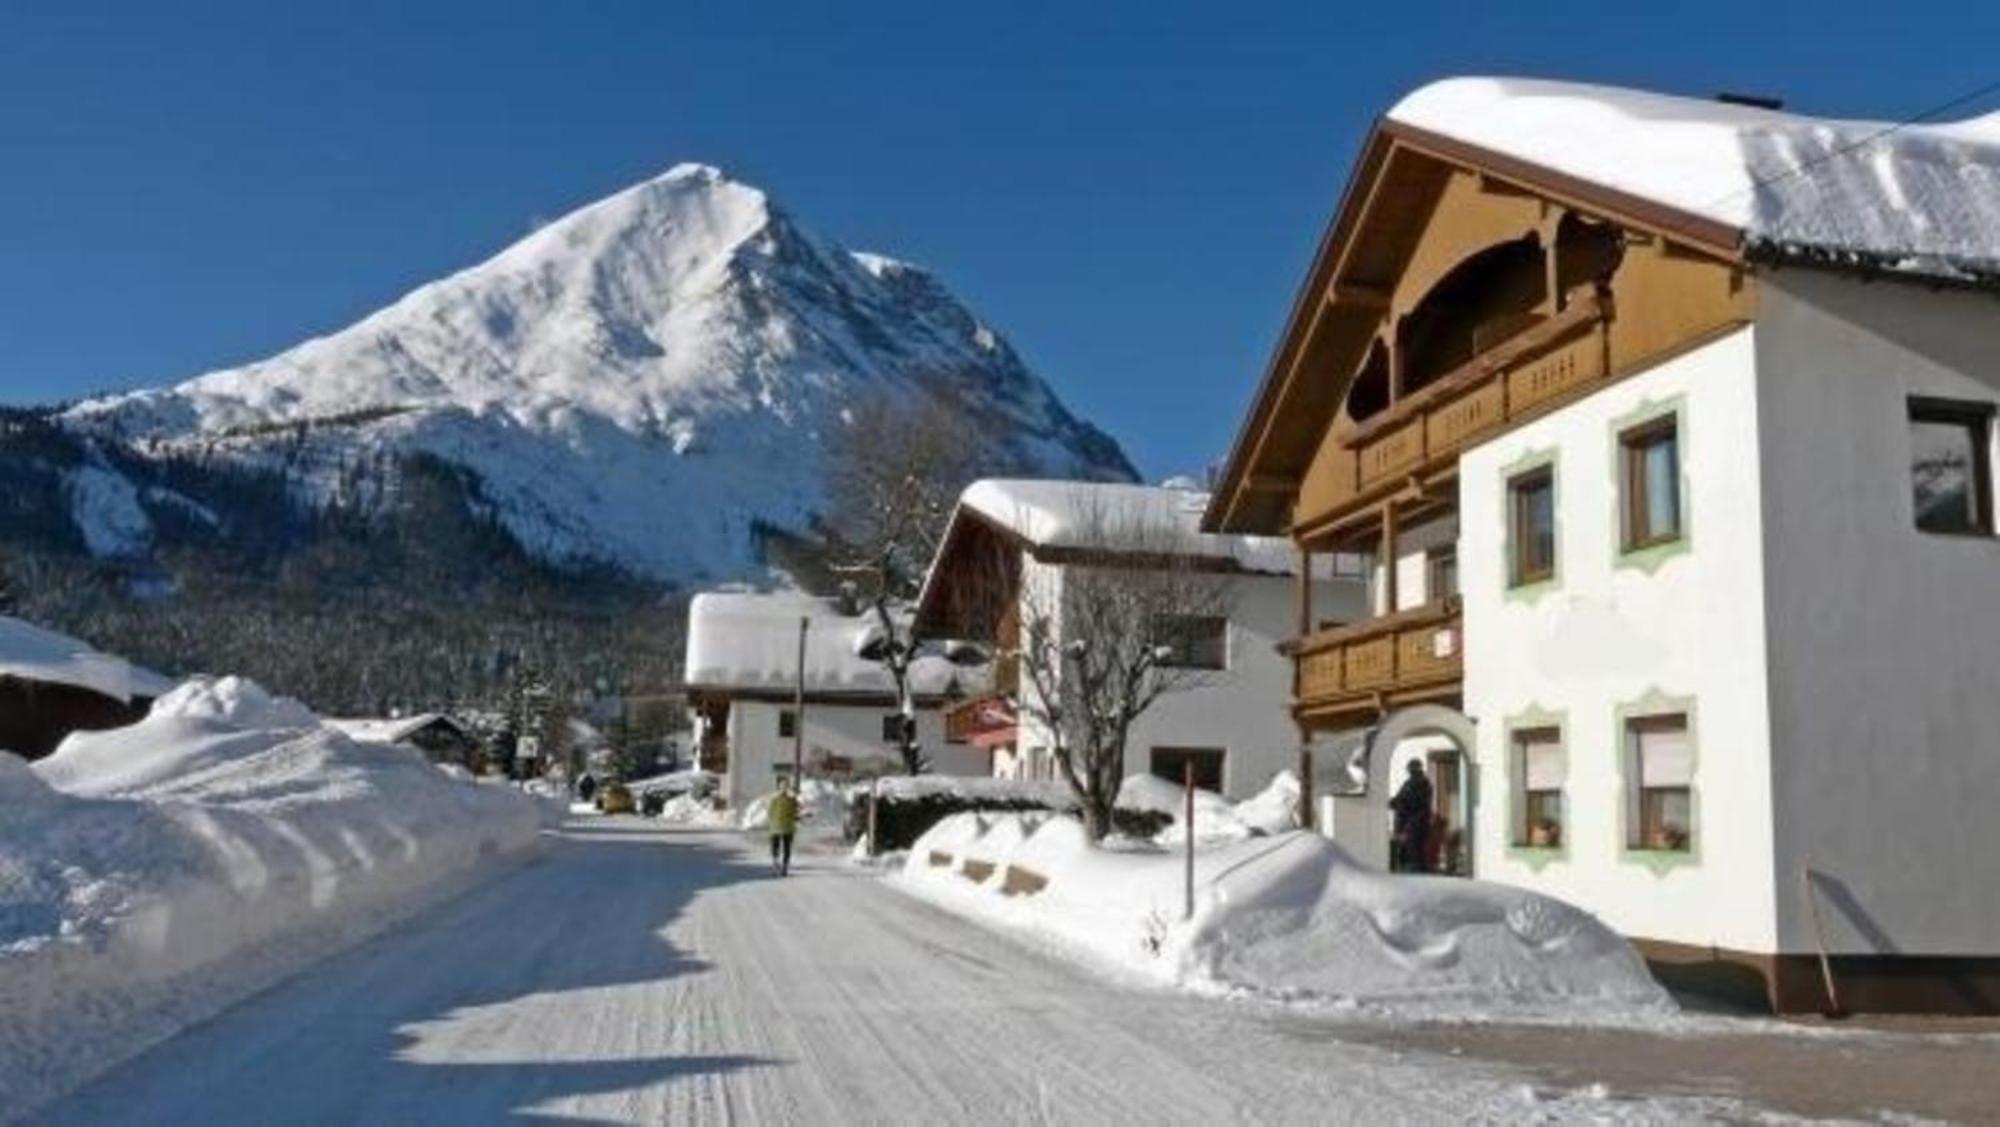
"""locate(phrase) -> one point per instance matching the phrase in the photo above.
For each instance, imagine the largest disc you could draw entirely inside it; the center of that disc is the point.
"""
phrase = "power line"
(1843, 150)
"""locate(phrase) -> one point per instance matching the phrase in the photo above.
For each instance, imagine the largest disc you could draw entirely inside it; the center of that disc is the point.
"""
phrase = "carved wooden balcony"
(1379, 663)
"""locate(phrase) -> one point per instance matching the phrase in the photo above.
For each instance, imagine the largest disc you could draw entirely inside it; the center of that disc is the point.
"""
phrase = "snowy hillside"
(642, 382)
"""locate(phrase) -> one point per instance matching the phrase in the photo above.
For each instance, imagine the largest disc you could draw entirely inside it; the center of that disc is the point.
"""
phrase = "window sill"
(1661, 861)
(1537, 857)
(1649, 558)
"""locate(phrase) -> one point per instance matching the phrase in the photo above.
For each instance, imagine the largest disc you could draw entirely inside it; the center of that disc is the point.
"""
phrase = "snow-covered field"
(154, 875)
(1285, 916)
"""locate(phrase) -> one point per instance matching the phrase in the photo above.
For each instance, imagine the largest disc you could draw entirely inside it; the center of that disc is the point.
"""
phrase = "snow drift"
(153, 875)
(1288, 916)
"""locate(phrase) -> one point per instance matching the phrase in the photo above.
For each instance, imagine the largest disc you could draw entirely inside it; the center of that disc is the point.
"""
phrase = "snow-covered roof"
(34, 654)
(750, 640)
(389, 730)
(1095, 516)
(1922, 199)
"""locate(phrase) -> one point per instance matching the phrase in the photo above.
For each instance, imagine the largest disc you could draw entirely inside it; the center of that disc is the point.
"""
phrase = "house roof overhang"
(1339, 305)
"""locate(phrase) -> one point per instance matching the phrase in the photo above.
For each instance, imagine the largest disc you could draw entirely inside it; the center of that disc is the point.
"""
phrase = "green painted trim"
(1660, 861)
(1528, 594)
(1652, 557)
(1536, 857)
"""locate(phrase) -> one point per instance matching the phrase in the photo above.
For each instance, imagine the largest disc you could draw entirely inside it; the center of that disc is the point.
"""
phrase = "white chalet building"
(742, 679)
(1673, 421)
(1011, 541)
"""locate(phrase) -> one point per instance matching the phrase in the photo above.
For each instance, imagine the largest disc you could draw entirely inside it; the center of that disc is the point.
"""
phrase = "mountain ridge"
(644, 383)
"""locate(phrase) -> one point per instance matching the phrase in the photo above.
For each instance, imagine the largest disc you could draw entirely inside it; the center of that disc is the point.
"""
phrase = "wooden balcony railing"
(1397, 658)
(1422, 434)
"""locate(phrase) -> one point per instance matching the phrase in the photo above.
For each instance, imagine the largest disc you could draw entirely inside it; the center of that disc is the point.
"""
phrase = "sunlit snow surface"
(1921, 199)
(639, 382)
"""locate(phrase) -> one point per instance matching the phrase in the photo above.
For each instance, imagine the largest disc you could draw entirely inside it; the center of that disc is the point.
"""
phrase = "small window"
(1651, 456)
(892, 727)
(1171, 764)
(1538, 781)
(788, 724)
(1950, 475)
(1443, 578)
(1531, 506)
(1660, 774)
(1194, 641)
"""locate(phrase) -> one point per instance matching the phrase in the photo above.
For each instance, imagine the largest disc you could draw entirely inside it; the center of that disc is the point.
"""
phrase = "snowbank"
(152, 875)
(1288, 916)
(1216, 819)
(981, 788)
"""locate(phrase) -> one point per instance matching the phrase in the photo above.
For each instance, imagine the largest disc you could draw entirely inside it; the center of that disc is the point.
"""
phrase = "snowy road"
(641, 974)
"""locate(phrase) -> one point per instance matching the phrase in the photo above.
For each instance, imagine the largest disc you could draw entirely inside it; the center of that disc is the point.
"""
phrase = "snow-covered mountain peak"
(684, 330)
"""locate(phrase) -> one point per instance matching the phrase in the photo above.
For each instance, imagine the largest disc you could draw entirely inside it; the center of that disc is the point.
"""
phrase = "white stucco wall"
(853, 731)
(1885, 641)
(1602, 635)
(1245, 709)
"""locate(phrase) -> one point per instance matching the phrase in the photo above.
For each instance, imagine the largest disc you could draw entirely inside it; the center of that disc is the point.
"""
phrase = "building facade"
(744, 672)
(1681, 527)
(1026, 540)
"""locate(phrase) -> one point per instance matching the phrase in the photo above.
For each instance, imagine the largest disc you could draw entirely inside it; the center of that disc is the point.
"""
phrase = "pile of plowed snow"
(153, 875)
(1286, 916)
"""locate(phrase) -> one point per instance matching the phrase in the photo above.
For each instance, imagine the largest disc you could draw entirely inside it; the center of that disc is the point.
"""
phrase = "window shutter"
(1542, 765)
(1666, 757)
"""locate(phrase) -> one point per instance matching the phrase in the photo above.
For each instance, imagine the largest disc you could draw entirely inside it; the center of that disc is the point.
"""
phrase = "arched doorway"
(1442, 739)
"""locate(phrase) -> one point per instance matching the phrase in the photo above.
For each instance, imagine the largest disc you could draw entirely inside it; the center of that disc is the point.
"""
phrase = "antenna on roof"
(1754, 101)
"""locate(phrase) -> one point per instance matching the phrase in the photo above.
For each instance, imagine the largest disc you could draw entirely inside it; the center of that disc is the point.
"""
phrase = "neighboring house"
(52, 685)
(1010, 539)
(743, 675)
(1669, 426)
(441, 738)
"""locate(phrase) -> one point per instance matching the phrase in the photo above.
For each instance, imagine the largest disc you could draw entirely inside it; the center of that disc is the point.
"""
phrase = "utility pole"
(799, 712)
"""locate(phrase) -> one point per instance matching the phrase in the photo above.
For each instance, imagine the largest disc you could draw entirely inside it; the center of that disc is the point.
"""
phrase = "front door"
(1450, 846)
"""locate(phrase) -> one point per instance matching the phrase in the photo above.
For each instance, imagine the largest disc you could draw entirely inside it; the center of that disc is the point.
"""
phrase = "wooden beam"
(1361, 295)
(1271, 483)
(1388, 557)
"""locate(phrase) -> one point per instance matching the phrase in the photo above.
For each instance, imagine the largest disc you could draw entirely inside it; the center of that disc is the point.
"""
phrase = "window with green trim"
(1538, 788)
(1659, 779)
(1650, 456)
(1531, 517)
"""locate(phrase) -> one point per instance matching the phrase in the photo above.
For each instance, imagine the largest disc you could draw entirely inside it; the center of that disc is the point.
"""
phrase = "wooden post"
(799, 712)
(1833, 1008)
(1388, 553)
(1187, 797)
(874, 792)
(1305, 592)
(1306, 817)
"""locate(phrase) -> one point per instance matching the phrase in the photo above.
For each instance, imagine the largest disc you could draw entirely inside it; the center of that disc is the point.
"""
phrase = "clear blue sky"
(1130, 194)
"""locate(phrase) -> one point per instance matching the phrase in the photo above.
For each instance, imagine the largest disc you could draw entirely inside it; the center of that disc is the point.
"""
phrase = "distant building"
(1668, 426)
(441, 738)
(52, 685)
(1230, 724)
(743, 674)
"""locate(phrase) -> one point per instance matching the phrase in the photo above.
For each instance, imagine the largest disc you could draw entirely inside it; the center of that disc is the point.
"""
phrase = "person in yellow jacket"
(784, 822)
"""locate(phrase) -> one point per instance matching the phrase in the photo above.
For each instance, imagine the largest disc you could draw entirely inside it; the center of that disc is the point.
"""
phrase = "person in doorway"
(784, 822)
(1410, 838)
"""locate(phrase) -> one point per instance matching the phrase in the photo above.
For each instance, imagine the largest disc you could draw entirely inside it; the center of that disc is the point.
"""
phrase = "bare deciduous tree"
(1105, 638)
(894, 474)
